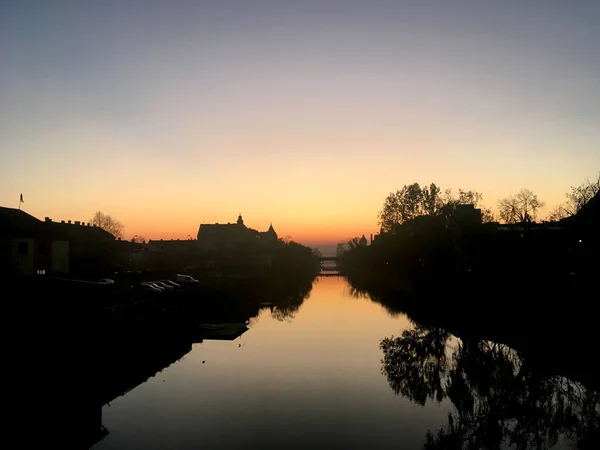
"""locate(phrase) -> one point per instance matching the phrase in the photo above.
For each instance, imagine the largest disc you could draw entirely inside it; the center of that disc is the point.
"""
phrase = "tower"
(240, 221)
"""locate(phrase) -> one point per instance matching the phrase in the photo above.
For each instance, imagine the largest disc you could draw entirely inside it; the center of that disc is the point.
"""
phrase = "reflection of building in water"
(233, 235)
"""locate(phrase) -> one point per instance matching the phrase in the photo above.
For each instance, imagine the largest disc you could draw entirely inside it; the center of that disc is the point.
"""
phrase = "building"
(131, 256)
(92, 250)
(172, 254)
(235, 246)
(234, 235)
(467, 215)
(28, 247)
(31, 246)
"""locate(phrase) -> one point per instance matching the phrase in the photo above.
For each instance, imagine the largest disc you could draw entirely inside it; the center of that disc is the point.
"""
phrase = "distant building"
(339, 251)
(233, 235)
(131, 256)
(375, 238)
(467, 215)
(172, 254)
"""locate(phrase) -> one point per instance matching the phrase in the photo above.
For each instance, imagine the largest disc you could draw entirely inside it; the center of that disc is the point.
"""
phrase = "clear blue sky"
(307, 114)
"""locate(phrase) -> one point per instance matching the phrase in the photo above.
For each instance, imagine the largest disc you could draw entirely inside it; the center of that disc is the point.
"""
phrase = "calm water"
(314, 379)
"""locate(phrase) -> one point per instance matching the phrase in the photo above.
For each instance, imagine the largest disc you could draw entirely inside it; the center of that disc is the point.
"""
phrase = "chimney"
(47, 219)
(95, 225)
(69, 221)
(77, 222)
(62, 221)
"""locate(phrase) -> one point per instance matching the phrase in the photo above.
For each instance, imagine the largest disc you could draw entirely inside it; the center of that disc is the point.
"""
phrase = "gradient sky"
(307, 114)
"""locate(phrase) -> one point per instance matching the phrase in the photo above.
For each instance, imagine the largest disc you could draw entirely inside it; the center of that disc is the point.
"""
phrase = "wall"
(24, 260)
(60, 256)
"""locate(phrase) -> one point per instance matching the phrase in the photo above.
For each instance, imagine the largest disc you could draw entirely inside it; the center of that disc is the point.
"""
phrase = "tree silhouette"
(499, 397)
(107, 223)
(578, 197)
(407, 203)
(519, 208)
(413, 201)
(352, 243)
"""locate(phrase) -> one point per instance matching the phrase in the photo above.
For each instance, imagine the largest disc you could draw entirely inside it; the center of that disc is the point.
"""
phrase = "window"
(23, 248)
(41, 271)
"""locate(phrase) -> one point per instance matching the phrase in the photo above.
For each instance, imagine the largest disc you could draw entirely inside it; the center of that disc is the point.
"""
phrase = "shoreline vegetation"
(531, 286)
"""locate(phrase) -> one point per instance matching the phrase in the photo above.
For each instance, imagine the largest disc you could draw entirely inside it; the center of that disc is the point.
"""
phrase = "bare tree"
(108, 223)
(487, 215)
(578, 197)
(519, 208)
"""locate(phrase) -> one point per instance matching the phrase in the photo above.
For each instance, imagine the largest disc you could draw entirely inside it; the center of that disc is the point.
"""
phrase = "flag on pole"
(21, 199)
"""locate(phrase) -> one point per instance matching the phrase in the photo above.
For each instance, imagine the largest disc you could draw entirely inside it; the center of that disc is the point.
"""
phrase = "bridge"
(330, 273)
(326, 265)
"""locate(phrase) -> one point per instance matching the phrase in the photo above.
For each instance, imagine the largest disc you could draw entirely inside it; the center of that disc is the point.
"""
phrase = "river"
(316, 378)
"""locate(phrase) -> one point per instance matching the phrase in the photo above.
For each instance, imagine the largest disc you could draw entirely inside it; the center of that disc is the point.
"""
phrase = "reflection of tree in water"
(499, 398)
(287, 302)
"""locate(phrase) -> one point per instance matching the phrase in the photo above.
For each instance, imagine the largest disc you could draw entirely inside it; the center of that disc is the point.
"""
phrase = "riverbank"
(552, 320)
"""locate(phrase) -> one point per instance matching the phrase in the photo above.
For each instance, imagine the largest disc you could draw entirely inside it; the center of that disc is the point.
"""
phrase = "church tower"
(240, 221)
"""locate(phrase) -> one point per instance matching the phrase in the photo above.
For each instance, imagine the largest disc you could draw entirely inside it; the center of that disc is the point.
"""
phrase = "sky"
(169, 114)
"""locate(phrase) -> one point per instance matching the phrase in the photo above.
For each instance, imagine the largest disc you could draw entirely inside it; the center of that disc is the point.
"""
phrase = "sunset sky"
(306, 114)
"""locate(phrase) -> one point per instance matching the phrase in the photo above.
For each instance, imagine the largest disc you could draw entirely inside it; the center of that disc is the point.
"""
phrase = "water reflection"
(313, 381)
(245, 301)
(306, 371)
(500, 398)
(285, 304)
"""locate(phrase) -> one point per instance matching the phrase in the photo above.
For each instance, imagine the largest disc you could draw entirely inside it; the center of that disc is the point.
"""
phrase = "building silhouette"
(32, 246)
(234, 235)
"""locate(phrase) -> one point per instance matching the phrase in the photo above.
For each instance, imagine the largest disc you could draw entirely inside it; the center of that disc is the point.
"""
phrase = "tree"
(352, 243)
(487, 215)
(108, 223)
(406, 204)
(578, 197)
(413, 200)
(519, 208)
